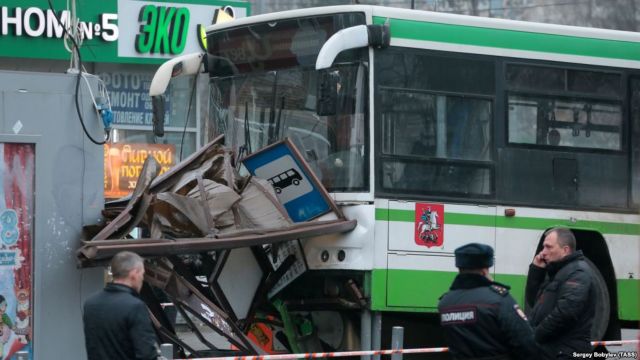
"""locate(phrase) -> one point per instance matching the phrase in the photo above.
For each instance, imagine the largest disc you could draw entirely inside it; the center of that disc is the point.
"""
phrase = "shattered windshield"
(264, 88)
(256, 110)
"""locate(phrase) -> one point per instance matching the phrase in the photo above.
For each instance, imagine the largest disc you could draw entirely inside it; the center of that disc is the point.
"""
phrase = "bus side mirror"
(157, 108)
(327, 94)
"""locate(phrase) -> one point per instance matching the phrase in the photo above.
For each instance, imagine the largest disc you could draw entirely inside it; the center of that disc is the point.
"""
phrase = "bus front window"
(263, 86)
(254, 110)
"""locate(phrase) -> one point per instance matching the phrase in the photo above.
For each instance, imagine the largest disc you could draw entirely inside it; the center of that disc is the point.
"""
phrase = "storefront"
(124, 41)
(48, 189)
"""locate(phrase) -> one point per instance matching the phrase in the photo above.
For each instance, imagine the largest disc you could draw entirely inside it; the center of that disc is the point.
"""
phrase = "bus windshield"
(258, 101)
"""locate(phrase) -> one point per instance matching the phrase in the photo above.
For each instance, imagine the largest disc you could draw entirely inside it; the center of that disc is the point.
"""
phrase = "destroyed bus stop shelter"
(193, 215)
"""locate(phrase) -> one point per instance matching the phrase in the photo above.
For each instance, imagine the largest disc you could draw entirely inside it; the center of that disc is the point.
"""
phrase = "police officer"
(479, 317)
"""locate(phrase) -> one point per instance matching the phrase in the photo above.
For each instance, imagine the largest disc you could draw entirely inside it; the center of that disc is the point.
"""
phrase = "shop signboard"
(113, 31)
(123, 163)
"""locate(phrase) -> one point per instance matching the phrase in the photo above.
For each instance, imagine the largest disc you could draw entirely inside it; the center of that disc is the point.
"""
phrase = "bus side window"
(468, 128)
(430, 141)
(435, 121)
(566, 134)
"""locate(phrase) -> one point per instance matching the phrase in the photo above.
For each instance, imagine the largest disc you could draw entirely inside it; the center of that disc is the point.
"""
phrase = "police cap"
(474, 256)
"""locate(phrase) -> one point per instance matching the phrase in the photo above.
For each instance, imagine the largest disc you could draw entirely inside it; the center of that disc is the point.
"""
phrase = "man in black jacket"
(479, 317)
(560, 289)
(116, 321)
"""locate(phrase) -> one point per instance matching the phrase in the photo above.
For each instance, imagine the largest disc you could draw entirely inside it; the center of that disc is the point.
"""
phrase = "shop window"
(132, 138)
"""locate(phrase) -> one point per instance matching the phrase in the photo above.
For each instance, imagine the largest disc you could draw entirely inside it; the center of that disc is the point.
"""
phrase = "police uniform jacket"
(117, 325)
(482, 321)
(563, 299)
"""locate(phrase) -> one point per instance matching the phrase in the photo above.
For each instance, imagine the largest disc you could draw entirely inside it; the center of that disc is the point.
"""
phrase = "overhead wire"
(77, 88)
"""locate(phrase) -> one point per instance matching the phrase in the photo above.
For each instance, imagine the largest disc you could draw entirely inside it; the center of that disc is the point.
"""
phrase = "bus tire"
(603, 304)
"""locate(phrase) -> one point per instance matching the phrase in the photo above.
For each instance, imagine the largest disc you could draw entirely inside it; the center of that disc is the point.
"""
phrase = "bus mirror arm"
(188, 64)
(379, 35)
(352, 38)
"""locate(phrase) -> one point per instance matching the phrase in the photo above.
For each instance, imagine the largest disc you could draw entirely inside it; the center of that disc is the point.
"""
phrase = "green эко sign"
(164, 30)
(114, 31)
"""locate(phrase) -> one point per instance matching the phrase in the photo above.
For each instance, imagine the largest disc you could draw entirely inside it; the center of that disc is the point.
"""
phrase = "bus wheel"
(603, 305)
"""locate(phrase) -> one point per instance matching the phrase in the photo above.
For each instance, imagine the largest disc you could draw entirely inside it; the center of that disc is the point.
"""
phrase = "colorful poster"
(17, 177)
(123, 164)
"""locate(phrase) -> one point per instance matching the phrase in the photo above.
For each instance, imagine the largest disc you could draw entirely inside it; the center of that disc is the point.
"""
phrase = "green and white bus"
(435, 130)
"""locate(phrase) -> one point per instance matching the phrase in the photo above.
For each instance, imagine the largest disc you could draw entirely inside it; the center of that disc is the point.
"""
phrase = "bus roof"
(483, 35)
(438, 17)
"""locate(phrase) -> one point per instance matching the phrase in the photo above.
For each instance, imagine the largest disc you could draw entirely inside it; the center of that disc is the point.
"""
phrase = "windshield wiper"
(246, 147)
(271, 134)
(276, 131)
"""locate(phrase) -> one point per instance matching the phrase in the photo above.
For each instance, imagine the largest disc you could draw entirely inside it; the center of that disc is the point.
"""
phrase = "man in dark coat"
(116, 321)
(479, 317)
(560, 289)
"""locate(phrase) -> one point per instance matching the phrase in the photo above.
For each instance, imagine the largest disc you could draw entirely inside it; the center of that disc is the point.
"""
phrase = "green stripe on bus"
(628, 295)
(511, 39)
(528, 223)
(419, 291)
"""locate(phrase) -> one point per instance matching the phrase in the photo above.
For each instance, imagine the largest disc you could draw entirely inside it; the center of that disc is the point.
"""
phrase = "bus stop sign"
(297, 189)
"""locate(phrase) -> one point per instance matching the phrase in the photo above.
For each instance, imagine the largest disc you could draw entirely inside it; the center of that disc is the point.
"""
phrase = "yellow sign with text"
(123, 164)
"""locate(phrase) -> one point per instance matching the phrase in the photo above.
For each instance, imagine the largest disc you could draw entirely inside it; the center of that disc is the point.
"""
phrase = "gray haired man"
(116, 320)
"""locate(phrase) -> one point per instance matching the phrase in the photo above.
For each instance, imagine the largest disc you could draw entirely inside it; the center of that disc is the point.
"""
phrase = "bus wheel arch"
(596, 251)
